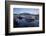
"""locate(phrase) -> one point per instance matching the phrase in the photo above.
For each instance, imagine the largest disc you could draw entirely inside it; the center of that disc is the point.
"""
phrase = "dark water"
(23, 22)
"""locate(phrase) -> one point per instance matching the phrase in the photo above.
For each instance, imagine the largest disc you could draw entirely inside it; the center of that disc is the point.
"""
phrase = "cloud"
(25, 10)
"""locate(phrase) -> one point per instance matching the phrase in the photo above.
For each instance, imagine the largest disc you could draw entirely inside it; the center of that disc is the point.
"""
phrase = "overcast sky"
(26, 10)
